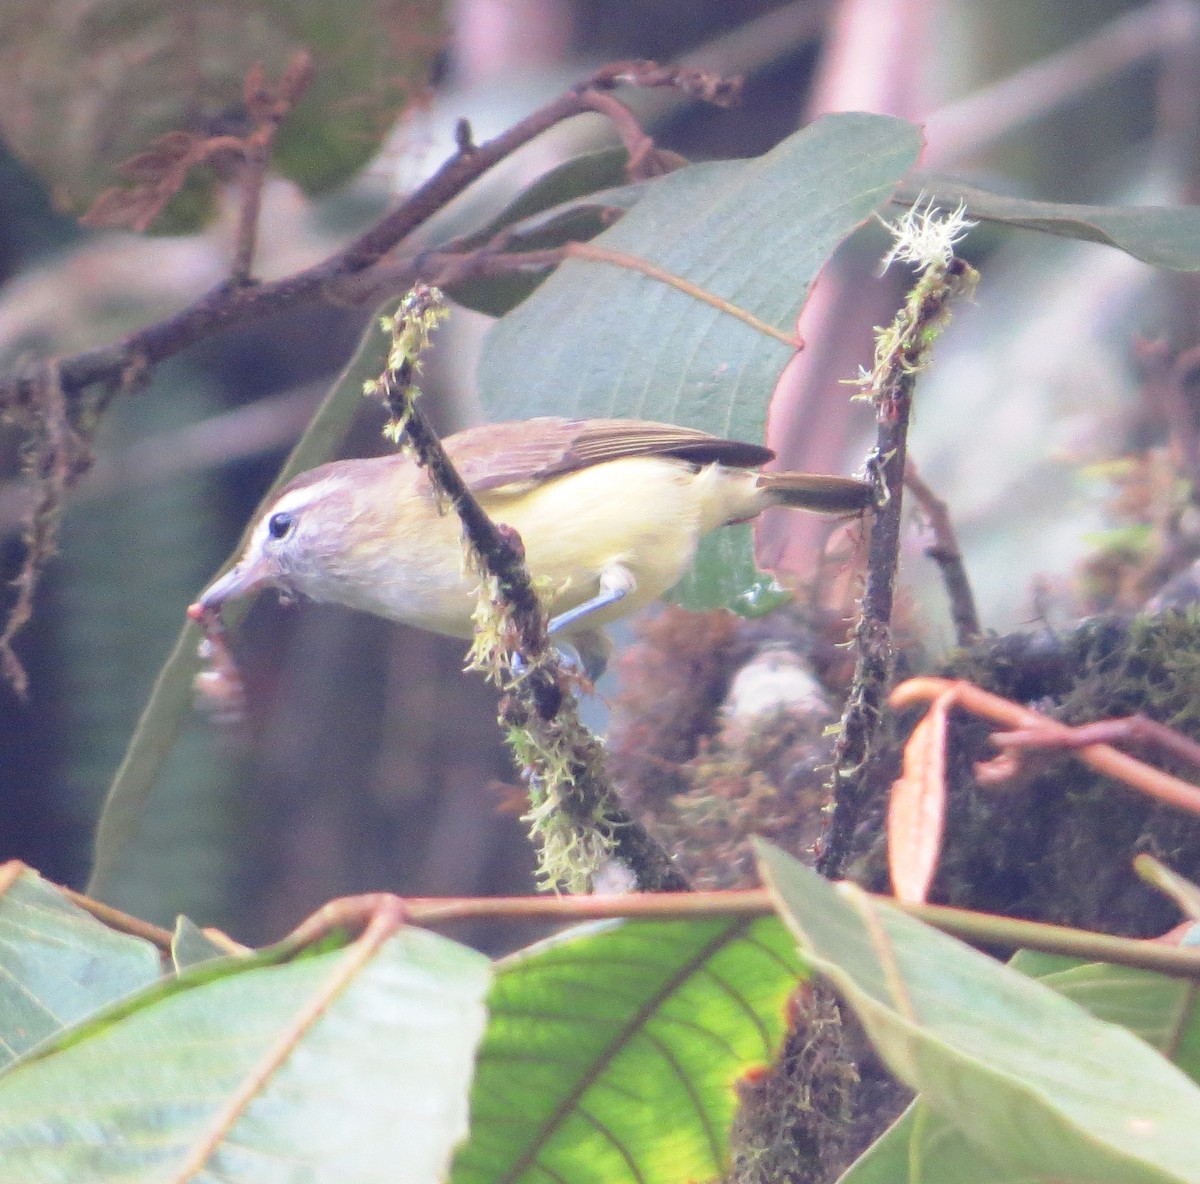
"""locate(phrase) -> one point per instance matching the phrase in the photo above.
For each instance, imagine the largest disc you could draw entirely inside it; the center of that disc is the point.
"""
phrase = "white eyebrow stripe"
(300, 499)
(293, 502)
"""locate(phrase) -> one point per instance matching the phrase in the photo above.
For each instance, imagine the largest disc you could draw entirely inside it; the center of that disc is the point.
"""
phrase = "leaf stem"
(578, 250)
(356, 912)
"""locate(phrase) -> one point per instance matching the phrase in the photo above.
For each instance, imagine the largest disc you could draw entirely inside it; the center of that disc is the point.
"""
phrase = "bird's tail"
(813, 491)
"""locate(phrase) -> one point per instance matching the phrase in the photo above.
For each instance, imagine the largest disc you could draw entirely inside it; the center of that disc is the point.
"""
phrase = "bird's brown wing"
(494, 455)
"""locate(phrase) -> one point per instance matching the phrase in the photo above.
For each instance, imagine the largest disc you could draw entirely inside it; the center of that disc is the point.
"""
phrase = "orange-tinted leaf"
(134, 208)
(159, 174)
(165, 154)
(255, 93)
(916, 811)
(296, 78)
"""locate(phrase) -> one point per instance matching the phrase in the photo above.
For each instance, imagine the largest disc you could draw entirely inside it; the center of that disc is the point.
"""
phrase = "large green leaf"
(1021, 1073)
(58, 965)
(331, 1068)
(612, 1050)
(1162, 1011)
(922, 1147)
(1165, 236)
(597, 339)
(84, 86)
(569, 203)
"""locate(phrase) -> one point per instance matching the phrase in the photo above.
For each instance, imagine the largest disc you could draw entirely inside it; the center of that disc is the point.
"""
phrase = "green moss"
(1057, 843)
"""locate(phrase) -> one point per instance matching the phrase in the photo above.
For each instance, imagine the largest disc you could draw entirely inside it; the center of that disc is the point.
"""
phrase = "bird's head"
(300, 542)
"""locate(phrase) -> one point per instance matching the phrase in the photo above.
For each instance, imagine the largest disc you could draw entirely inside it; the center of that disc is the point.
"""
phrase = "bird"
(609, 511)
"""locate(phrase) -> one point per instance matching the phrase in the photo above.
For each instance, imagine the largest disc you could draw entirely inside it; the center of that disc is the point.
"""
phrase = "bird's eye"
(280, 524)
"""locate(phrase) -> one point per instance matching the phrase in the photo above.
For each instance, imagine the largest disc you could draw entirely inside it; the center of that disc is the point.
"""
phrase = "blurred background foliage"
(369, 761)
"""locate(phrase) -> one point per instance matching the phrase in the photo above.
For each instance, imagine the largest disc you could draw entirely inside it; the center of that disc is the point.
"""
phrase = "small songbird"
(610, 512)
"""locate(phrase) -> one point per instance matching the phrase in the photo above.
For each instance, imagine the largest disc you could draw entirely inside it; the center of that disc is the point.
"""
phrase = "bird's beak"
(240, 580)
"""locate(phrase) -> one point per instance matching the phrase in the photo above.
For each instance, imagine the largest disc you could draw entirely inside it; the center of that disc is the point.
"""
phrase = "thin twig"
(252, 177)
(268, 104)
(946, 554)
(1129, 729)
(354, 914)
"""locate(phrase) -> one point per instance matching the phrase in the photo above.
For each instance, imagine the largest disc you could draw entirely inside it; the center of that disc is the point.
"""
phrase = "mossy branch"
(574, 816)
(902, 351)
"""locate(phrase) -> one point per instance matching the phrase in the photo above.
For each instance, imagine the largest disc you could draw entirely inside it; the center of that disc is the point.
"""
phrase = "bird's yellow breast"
(646, 514)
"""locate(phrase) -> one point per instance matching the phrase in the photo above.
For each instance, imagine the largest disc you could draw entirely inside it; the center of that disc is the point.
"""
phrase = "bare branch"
(240, 304)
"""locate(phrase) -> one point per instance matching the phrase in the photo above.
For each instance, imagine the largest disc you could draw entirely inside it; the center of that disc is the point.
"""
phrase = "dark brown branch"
(239, 304)
(903, 352)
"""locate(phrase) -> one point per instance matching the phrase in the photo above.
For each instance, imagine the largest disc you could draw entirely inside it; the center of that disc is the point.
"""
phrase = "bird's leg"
(616, 582)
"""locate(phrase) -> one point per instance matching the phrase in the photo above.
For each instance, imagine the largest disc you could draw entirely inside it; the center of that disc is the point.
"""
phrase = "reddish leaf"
(124, 209)
(256, 94)
(296, 78)
(916, 812)
(166, 154)
(158, 174)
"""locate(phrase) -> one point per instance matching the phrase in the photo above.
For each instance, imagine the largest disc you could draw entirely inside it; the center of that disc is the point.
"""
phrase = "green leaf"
(1162, 1011)
(332, 1068)
(598, 339)
(570, 203)
(58, 965)
(590, 176)
(190, 946)
(1030, 1079)
(172, 698)
(84, 87)
(612, 1051)
(921, 1147)
(1162, 236)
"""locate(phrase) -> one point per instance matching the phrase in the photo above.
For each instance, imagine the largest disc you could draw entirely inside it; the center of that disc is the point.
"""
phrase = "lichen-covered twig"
(574, 815)
(925, 239)
(55, 456)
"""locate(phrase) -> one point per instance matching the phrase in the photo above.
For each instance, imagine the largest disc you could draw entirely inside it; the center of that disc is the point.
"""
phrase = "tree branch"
(901, 353)
(241, 304)
(575, 815)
